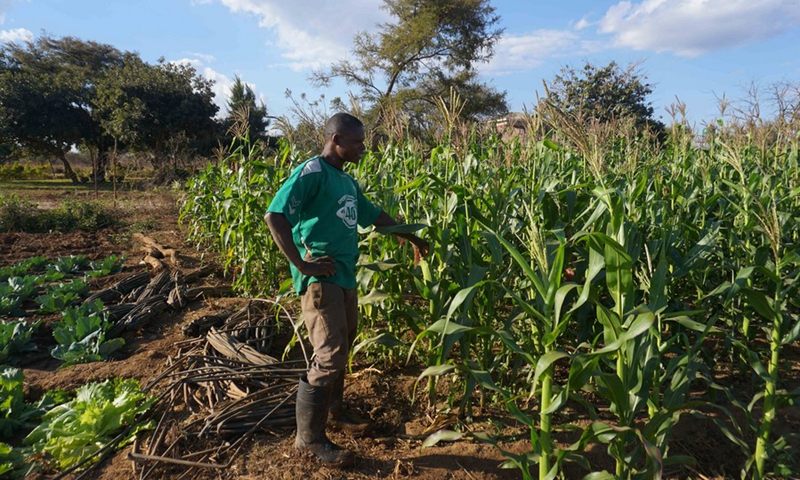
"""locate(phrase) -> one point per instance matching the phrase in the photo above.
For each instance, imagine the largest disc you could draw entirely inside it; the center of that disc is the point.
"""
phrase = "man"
(317, 212)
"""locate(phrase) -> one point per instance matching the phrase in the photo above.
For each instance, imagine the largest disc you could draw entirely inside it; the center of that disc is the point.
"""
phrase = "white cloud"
(312, 36)
(222, 83)
(202, 56)
(518, 53)
(221, 88)
(16, 35)
(582, 23)
(694, 27)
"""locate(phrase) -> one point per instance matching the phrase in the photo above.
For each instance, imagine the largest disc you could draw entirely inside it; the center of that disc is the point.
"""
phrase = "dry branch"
(120, 289)
(220, 392)
(150, 244)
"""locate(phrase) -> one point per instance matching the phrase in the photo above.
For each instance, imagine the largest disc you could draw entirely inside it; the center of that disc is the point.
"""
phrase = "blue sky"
(693, 50)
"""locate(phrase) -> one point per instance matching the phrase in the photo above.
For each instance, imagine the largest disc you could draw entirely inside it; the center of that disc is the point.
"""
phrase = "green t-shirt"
(325, 206)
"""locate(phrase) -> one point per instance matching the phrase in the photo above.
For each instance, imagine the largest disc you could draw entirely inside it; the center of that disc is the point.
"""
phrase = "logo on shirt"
(293, 204)
(348, 211)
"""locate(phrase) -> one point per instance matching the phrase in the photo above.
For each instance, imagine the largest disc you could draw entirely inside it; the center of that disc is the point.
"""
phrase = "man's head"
(344, 137)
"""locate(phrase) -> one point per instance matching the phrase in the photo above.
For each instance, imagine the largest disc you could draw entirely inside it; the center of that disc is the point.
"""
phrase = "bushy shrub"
(79, 215)
(20, 171)
(21, 215)
(18, 214)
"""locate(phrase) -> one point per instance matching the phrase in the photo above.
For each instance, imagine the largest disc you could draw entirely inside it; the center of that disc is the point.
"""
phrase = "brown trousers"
(330, 314)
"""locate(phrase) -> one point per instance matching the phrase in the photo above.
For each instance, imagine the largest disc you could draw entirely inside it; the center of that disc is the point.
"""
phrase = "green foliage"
(106, 266)
(17, 214)
(16, 414)
(11, 400)
(604, 94)
(30, 265)
(429, 48)
(246, 117)
(15, 338)
(69, 265)
(85, 216)
(57, 297)
(553, 281)
(165, 109)
(81, 335)
(16, 290)
(21, 215)
(224, 208)
(20, 171)
(95, 94)
(58, 76)
(12, 462)
(74, 431)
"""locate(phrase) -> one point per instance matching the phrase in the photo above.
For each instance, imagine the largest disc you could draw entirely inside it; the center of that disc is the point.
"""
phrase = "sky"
(692, 51)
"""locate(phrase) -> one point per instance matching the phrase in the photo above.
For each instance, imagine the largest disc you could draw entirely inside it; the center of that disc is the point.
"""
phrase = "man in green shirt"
(317, 211)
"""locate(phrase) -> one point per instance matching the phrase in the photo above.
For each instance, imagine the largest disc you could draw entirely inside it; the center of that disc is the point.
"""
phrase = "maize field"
(620, 283)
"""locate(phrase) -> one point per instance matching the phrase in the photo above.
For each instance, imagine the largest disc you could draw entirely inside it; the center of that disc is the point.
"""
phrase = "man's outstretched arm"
(385, 220)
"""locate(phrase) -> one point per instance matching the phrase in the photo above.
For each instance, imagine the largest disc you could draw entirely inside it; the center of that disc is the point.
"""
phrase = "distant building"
(514, 124)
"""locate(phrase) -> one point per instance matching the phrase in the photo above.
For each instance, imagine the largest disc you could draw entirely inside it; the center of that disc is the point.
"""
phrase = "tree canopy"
(604, 94)
(57, 93)
(245, 111)
(150, 107)
(431, 47)
(46, 90)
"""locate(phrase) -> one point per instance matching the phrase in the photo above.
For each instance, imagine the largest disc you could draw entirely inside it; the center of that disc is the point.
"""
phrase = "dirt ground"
(393, 449)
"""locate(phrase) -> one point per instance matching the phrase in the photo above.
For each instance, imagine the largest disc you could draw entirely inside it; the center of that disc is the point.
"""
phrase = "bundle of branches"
(144, 297)
(220, 390)
(120, 289)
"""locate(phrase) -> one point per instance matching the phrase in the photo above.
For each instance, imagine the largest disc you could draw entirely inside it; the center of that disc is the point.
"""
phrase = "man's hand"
(421, 245)
(318, 267)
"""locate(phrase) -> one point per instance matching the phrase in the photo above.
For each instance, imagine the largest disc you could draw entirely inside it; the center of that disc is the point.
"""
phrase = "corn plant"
(224, 209)
(769, 287)
(548, 318)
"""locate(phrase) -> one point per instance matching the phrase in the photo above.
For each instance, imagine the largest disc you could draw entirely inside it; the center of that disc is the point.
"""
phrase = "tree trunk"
(101, 164)
(68, 168)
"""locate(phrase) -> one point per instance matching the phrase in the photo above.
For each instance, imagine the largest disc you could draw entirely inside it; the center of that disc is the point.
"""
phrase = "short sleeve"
(293, 195)
(367, 212)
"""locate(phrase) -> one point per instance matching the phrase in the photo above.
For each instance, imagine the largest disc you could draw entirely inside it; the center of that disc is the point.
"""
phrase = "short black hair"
(341, 123)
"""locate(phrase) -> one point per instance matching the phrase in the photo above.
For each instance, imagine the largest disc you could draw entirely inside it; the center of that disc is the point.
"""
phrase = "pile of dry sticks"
(220, 390)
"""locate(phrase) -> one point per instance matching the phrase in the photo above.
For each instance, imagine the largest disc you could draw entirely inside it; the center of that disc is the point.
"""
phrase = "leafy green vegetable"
(76, 430)
(12, 462)
(109, 265)
(15, 337)
(12, 402)
(9, 303)
(24, 267)
(81, 335)
(71, 264)
(14, 291)
(16, 414)
(57, 298)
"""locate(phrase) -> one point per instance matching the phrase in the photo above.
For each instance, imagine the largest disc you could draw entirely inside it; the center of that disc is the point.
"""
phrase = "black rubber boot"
(311, 412)
(338, 418)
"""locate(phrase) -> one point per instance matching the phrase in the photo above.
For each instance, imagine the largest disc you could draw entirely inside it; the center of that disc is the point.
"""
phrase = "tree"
(158, 109)
(432, 46)
(243, 109)
(604, 94)
(46, 88)
(478, 101)
(56, 94)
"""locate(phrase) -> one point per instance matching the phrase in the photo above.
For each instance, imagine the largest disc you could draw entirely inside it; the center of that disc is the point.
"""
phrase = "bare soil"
(391, 451)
